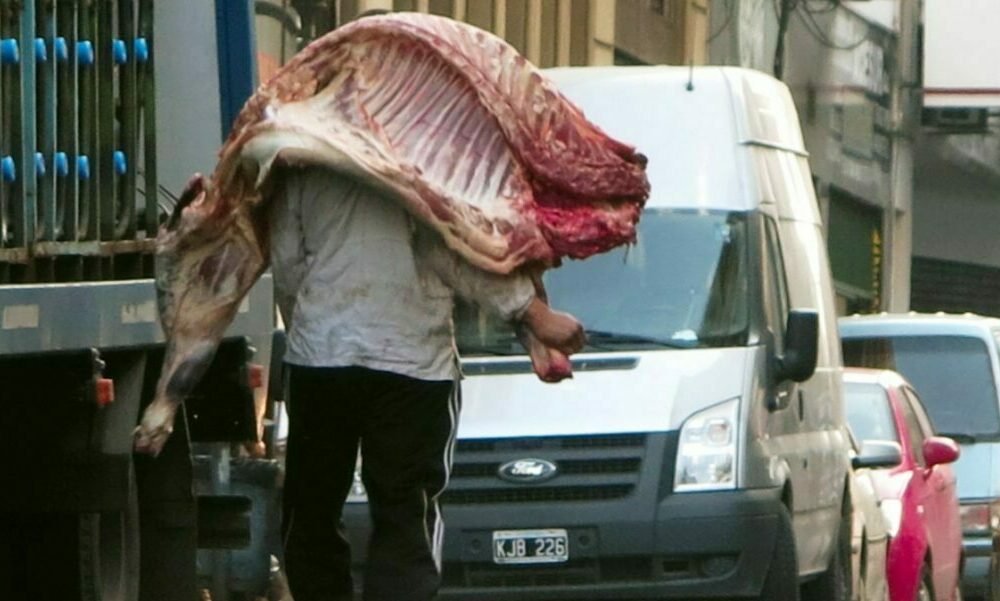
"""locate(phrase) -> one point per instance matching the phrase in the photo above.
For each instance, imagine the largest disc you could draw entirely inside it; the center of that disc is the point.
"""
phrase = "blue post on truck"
(106, 107)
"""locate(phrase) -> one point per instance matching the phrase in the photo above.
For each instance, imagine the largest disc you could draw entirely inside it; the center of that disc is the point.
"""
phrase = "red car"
(917, 497)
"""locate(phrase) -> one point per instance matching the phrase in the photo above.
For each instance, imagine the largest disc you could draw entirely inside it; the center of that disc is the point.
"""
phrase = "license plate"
(530, 546)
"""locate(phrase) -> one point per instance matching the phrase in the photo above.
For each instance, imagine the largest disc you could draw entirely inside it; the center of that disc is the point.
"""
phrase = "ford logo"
(528, 471)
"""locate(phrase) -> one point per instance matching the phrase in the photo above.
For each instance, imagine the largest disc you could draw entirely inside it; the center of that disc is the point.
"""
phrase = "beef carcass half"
(446, 118)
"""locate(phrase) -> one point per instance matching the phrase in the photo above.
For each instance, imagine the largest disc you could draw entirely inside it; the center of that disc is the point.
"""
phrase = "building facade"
(956, 257)
(851, 69)
(550, 33)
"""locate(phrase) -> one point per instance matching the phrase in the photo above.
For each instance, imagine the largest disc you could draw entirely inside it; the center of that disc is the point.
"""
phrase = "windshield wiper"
(606, 337)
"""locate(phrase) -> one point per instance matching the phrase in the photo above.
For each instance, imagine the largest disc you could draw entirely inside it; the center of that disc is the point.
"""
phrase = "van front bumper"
(692, 545)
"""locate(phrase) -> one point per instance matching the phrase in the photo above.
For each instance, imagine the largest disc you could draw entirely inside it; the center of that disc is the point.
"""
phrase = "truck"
(106, 108)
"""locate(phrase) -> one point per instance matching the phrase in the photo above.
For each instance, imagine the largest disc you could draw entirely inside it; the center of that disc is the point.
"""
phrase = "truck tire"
(835, 583)
(109, 551)
(782, 580)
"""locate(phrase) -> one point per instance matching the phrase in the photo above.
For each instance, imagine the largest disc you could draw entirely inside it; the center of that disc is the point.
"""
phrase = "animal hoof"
(150, 441)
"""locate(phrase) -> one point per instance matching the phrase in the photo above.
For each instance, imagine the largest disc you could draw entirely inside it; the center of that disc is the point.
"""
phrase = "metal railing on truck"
(78, 188)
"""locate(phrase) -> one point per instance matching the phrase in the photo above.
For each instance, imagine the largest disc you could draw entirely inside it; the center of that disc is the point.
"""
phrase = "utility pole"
(784, 14)
(905, 106)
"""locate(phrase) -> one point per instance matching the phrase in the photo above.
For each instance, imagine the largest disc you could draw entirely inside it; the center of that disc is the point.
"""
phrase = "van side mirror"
(801, 345)
(878, 454)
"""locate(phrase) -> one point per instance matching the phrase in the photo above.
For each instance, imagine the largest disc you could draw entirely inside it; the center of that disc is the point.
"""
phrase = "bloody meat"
(446, 118)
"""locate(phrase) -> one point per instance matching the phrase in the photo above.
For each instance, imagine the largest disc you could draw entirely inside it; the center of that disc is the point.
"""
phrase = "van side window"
(775, 284)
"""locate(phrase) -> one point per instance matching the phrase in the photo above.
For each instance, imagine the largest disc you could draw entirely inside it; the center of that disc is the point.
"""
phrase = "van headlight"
(706, 453)
(357, 492)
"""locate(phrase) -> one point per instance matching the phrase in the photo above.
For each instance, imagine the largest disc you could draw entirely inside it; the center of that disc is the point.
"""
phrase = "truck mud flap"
(56, 434)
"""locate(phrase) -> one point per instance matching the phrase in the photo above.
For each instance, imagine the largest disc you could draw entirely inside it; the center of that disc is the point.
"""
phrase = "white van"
(700, 449)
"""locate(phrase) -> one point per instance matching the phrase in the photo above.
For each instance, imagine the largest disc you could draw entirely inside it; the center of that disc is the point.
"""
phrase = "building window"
(856, 252)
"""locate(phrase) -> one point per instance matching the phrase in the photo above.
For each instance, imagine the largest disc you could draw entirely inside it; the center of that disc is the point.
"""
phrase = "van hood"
(976, 471)
(610, 393)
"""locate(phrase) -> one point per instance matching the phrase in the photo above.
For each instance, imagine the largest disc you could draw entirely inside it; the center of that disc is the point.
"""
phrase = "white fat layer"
(265, 147)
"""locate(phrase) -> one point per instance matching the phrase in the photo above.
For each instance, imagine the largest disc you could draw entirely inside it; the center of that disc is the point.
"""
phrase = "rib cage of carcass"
(454, 122)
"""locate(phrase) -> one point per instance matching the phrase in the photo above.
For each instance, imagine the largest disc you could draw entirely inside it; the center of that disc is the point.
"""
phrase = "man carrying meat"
(367, 296)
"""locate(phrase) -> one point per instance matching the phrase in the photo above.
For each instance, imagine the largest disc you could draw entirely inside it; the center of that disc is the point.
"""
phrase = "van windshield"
(682, 285)
(952, 374)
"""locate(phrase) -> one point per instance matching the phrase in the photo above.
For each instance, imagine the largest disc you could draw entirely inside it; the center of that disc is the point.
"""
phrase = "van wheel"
(109, 551)
(782, 580)
(835, 583)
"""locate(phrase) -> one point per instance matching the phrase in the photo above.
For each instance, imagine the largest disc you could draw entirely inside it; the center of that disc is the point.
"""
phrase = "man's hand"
(554, 329)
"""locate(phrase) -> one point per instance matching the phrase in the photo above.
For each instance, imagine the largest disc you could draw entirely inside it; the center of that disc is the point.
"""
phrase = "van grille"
(588, 468)
(537, 494)
(566, 442)
(569, 466)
